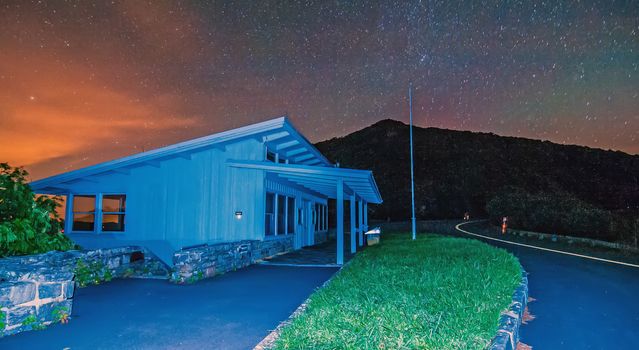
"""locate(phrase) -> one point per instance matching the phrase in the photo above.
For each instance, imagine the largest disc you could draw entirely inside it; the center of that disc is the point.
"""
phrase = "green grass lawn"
(433, 293)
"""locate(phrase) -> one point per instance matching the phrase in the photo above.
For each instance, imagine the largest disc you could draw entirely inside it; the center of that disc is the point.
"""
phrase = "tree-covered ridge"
(459, 171)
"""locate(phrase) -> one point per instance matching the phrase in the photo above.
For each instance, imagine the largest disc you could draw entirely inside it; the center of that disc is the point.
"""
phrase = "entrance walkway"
(232, 311)
(320, 255)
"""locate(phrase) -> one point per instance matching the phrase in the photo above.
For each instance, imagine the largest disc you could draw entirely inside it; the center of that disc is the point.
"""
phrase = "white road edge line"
(457, 227)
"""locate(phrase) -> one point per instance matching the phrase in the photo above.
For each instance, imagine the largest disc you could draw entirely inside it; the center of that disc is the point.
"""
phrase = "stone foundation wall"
(35, 301)
(196, 263)
(37, 290)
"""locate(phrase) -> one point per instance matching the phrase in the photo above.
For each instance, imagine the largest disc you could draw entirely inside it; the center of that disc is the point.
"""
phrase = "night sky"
(83, 83)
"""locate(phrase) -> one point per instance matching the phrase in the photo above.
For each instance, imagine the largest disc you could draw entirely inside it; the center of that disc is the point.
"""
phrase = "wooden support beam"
(353, 230)
(275, 210)
(365, 216)
(360, 222)
(340, 222)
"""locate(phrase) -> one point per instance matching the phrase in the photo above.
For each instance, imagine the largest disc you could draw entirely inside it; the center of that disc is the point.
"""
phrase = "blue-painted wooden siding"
(187, 201)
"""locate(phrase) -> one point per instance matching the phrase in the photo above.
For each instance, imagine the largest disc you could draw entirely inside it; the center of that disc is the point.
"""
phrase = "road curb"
(508, 333)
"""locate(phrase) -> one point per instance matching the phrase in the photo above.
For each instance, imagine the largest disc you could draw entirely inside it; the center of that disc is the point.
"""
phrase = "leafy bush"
(28, 224)
(94, 272)
(551, 213)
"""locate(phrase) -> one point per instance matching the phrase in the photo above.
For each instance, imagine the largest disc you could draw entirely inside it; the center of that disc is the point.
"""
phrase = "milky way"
(82, 83)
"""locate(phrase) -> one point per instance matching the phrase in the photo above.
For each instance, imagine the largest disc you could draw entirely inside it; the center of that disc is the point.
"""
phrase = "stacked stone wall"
(37, 290)
(205, 261)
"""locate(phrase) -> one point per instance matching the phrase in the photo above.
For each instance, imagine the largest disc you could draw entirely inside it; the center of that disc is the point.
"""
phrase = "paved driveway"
(232, 311)
(581, 303)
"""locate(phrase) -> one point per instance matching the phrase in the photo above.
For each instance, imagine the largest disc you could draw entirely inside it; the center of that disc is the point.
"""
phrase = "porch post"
(68, 214)
(286, 215)
(276, 211)
(366, 216)
(340, 222)
(360, 222)
(353, 231)
(326, 217)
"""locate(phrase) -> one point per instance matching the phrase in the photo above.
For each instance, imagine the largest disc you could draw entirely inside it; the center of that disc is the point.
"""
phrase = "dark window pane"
(269, 225)
(270, 156)
(114, 203)
(270, 197)
(291, 215)
(281, 207)
(83, 222)
(269, 222)
(113, 222)
(84, 204)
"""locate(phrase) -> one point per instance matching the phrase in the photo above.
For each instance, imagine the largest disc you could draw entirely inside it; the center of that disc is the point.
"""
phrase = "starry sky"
(84, 82)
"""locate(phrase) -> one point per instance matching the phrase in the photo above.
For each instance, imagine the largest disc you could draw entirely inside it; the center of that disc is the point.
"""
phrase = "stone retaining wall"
(195, 263)
(37, 290)
(35, 301)
(510, 322)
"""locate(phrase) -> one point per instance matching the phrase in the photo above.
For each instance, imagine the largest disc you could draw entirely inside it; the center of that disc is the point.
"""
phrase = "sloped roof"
(279, 135)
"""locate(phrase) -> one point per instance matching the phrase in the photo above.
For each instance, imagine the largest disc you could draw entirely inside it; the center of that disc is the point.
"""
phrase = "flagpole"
(412, 175)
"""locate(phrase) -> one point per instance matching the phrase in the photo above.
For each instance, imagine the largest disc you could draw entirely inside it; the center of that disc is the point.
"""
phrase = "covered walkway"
(356, 186)
(319, 255)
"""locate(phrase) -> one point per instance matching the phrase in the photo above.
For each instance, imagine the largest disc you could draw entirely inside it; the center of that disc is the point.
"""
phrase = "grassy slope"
(435, 293)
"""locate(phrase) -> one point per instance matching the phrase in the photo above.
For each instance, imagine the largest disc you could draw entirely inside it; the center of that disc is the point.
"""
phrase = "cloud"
(49, 113)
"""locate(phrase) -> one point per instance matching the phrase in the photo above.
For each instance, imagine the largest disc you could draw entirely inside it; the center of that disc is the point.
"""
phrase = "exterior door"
(305, 224)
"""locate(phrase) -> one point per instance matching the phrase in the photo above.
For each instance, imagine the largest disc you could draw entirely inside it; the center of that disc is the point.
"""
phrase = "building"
(263, 182)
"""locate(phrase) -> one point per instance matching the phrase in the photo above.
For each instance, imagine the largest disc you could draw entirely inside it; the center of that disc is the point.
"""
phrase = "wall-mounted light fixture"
(238, 215)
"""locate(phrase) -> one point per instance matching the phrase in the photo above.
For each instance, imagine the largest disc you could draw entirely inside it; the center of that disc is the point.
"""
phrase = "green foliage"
(197, 276)
(94, 272)
(61, 314)
(32, 322)
(432, 293)
(3, 317)
(551, 213)
(129, 272)
(28, 224)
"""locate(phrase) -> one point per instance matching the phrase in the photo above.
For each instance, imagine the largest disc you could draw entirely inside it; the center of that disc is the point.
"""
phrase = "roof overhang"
(322, 180)
(277, 134)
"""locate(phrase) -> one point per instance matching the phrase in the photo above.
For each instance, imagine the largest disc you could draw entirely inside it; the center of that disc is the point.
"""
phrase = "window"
(83, 213)
(281, 215)
(269, 225)
(270, 156)
(290, 220)
(113, 208)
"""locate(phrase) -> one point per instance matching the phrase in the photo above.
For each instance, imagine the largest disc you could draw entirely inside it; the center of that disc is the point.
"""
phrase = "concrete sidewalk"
(232, 311)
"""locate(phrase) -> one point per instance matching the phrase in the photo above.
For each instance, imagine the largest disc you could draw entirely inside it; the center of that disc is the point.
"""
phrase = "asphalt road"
(232, 311)
(580, 303)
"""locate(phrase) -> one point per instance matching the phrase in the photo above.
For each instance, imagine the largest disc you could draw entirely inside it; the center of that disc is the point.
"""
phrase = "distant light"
(238, 215)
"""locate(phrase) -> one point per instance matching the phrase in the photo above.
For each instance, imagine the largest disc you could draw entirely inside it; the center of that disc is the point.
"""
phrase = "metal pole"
(412, 175)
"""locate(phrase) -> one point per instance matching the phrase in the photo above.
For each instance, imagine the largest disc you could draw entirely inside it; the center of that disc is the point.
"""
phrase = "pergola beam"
(340, 222)
(360, 222)
(353, 231)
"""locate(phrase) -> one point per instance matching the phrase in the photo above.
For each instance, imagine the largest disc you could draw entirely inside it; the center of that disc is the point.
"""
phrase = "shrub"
(28, 224)
(552, 213)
